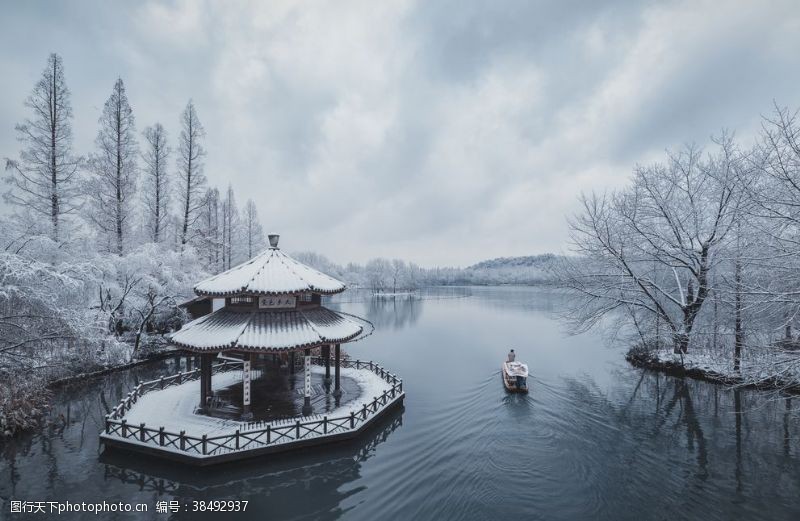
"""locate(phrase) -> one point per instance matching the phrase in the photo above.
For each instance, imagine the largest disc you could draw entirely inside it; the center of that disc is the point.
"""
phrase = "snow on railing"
(151, 483)
(162, 383)
(273, 433)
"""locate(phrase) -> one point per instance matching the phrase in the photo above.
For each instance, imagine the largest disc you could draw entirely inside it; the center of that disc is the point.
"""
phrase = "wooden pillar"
(246, 376)
(209, 364)
(337, 387)
(307, 393)
(326, 354)
(205, 379)
(291, 362)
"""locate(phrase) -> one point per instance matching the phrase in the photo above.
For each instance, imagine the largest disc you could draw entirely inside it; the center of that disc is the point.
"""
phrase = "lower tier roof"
(225, 330)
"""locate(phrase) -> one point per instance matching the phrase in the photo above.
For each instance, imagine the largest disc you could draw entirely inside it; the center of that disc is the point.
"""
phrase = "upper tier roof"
(271, 272)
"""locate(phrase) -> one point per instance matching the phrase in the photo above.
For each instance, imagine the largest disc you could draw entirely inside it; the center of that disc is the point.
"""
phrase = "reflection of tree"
(394, 312)
(729, 435)
(787, 414)
(70, 436)
(737, 410)
(296, 485)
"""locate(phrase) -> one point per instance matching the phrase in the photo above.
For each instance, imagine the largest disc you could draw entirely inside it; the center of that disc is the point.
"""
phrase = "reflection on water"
(281, 485)
(594, 438)
(393, 312)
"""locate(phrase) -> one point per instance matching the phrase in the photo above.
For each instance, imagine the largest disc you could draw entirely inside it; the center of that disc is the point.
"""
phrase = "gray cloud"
(442, 132)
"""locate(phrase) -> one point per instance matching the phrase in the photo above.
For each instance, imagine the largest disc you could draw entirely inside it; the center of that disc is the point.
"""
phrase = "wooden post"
(337, 386)
(307, 409)
(326, 354)
(203, 378)
(209, 371)
(291, 362)
(206, 361)
(183, 440)
(161, 436)
(141, 432)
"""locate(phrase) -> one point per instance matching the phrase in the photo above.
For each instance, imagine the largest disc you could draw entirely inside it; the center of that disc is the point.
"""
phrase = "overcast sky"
(443, 132)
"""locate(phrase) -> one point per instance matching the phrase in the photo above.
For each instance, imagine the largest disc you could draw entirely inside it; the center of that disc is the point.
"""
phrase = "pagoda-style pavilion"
(272, 306)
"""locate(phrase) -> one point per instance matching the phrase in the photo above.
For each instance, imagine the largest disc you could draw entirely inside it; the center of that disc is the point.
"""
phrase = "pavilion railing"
(254, 435)
(166, 381)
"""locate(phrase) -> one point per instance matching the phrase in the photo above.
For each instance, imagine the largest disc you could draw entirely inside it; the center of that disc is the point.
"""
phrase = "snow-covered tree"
(231, 229)
(156, 186)
(651, 248)
(113, 167)
(44, 178)
(210, 230)
(378, 274)
(191, 180)
(253, 231)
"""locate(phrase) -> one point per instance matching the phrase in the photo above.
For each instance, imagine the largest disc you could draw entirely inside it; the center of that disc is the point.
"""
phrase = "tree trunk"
(157, 227)
(738, 331)
(53, 155)
(681, 343)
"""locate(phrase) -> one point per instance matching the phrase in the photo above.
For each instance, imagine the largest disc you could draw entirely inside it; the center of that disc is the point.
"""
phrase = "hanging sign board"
(282, 302)
(246, 383)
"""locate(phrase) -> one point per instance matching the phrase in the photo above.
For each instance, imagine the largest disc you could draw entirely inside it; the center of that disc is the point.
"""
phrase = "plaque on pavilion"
(279, 302)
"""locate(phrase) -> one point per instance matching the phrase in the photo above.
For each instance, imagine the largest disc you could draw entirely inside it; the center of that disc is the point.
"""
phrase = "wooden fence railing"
(162, 383)
(253, 435)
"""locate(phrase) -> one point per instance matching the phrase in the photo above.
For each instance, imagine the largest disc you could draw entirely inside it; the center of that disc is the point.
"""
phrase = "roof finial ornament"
(273, 240)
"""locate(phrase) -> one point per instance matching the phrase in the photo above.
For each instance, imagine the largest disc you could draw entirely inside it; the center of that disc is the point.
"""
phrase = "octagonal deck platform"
(160, 417)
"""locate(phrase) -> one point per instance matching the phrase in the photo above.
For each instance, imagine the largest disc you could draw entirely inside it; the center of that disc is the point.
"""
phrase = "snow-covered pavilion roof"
(271, 272)
(257, 330)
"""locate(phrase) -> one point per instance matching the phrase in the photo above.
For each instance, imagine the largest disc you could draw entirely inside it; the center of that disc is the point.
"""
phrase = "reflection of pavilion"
(272, 310)
(321, 475)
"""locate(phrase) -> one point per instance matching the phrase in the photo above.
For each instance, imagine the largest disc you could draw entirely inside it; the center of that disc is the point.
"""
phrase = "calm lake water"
(594, 439)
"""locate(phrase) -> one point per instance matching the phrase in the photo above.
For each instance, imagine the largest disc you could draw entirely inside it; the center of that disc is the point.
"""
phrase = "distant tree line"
(388, 276)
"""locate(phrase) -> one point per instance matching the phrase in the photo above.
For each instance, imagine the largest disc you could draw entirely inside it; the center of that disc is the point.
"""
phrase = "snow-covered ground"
(173, 408)
(756, 367)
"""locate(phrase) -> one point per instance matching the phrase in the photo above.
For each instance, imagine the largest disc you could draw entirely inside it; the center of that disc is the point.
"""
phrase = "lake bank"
(716, 370)
(25, 406)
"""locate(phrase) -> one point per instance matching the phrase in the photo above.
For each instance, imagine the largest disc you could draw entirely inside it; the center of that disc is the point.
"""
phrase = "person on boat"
(511, 356)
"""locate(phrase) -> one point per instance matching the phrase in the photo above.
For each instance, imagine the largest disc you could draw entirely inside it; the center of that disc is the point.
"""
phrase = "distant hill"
(529, 261)
(531, 269)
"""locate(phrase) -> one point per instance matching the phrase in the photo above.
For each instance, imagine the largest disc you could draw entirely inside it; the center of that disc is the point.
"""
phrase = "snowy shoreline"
(83, 377)
(707, 367)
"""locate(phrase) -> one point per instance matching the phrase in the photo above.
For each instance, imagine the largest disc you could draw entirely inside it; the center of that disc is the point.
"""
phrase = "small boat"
(515, 377)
